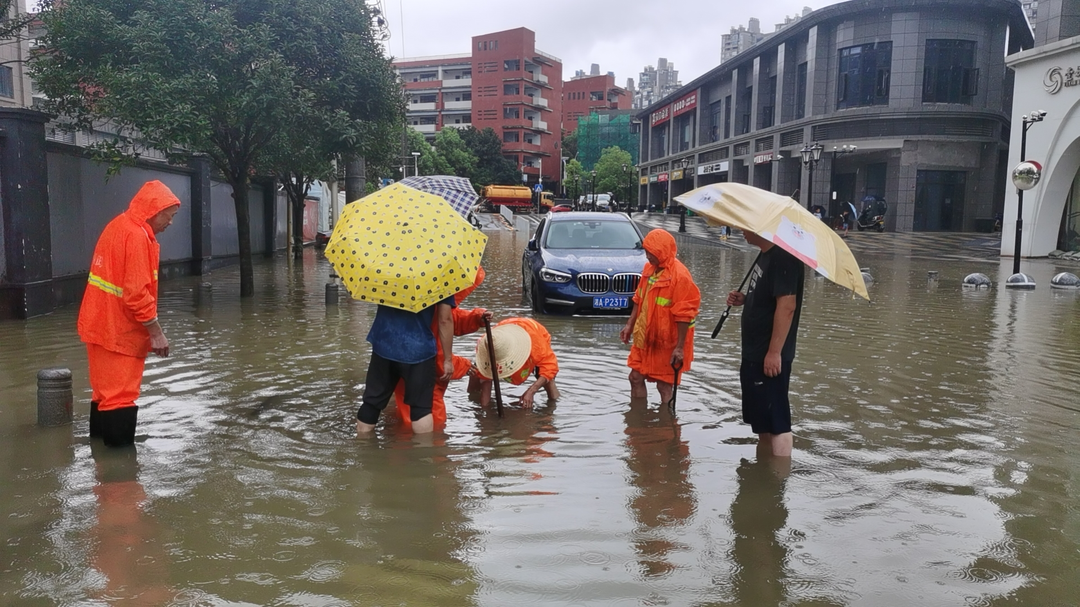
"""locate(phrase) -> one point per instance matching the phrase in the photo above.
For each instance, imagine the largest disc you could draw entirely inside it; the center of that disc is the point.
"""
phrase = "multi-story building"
(1047, 80)
(15, 87)
(505, 83)
(909, 102)
(587, 94)
(655, 83)
(740, 38)
(1031, 9)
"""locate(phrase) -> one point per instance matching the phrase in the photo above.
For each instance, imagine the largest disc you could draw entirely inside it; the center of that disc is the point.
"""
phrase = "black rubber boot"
(95, 420)
(118, 426)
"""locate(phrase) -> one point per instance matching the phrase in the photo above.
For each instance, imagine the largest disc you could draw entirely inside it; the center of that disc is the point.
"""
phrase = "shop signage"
(660, 116)
(1057, 79)
(643, 181)
(686, 103)
(763, 158)
(676, 174)
(652, 179)
(716, 167)
(662, 177)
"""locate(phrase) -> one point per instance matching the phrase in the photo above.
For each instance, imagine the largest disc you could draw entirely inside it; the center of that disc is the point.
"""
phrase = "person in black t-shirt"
(770, 322)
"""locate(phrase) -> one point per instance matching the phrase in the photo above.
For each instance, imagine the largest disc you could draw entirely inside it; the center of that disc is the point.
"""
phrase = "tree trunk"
(298, 226)
(243, 233)
(354, 178)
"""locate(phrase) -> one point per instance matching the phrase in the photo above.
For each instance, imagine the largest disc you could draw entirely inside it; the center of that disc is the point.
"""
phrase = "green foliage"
(610, 174)
(451, 148)
(599, 131)
(12, 26)
(570, 144)
(491, 166)
(575, 179)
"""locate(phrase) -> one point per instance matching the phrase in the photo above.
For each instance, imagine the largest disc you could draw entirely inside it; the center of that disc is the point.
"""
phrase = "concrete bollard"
(331, 293)
(54, 399)
(931, 275)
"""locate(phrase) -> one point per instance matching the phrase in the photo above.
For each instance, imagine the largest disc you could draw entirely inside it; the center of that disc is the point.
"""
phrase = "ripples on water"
(934, 461)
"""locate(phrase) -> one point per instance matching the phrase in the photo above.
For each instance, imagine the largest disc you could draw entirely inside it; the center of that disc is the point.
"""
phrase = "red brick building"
(505, 83)
(587, 94)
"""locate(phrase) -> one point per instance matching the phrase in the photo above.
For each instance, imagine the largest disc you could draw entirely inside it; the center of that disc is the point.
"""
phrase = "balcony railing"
(456, 82)
(422, 107)
(457, 105)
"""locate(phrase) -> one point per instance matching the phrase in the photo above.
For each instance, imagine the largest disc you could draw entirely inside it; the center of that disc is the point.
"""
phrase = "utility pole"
(354, 177)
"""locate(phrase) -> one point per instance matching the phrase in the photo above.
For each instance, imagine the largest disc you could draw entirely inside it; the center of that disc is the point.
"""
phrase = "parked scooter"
(872, 216)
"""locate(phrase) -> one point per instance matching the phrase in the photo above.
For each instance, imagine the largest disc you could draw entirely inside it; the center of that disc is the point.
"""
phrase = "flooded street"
(935, 457)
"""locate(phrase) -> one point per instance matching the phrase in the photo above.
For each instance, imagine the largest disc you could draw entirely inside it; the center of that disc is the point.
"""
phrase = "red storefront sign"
(686, 103)
(660, 116)
(662, 177)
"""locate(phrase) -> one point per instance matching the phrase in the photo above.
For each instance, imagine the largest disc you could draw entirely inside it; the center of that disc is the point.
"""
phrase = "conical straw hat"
(512, 349)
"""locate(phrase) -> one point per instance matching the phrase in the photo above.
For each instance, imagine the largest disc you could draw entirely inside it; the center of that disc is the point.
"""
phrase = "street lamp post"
(811, 154)
(415, 163)
(592, 188)
(1021, 184)
(626, 176)
(685, 162)
(577, 189)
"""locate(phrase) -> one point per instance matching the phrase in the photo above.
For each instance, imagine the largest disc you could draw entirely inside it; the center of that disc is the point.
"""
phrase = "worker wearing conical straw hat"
(521, 345)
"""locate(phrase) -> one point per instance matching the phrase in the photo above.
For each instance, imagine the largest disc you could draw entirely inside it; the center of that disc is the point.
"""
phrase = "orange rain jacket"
(665, 298)
(121, 293)
(541, 353)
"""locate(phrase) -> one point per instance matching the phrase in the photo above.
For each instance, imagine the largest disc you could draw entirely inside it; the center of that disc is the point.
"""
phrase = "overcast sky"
(623, 36)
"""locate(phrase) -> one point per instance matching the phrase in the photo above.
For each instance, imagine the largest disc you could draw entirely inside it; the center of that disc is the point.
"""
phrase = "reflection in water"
(125, 538)
(659, 462)
(758, 514)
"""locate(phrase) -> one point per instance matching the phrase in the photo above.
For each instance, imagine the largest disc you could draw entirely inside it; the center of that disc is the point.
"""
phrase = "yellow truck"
(513, 196)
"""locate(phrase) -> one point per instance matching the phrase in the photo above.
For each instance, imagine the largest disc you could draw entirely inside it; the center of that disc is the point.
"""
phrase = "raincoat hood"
(661, 244)
(151, 199)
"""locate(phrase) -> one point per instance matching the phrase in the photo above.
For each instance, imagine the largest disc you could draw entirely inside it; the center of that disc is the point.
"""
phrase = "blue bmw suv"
(583, 263)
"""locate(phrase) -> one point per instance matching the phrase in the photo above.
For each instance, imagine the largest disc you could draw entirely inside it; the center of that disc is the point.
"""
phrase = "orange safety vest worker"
(119, 310)
(663, 298)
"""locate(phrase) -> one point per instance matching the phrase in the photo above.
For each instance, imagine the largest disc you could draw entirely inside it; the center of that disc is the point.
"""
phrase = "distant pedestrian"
(661, 324)
(770, 323)
(521, 345)
(845, 221)
(118, 317)
(403, 346)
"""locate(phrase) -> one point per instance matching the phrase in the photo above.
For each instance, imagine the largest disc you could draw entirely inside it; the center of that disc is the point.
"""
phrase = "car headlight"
(549, 275)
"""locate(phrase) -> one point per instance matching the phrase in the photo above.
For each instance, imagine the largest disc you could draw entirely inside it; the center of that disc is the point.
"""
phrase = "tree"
(574, 178)
(492, 167)
(569, 144)
(452, 149)
(610, 176)
(224, 79)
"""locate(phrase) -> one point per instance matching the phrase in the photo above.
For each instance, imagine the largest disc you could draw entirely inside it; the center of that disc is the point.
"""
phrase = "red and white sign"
(763, 158)
(660, 116)
(687, 103)
(662, 177)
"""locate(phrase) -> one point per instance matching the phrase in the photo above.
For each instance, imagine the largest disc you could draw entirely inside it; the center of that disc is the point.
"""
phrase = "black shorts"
(382, 378)
(765, 403)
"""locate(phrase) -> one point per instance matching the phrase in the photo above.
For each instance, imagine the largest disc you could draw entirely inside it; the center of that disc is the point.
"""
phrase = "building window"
(727, 117)
(949, 72)
(596, 95)
(800, 91)
(511, 89)
(768, 104)
(511, 137)
(714, 120)
(864, 75)
(511, 112)
(7, 82)
(744, 106)
(512, 65)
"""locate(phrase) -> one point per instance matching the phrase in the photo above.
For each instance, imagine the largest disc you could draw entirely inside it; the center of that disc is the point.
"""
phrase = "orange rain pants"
(115, 379)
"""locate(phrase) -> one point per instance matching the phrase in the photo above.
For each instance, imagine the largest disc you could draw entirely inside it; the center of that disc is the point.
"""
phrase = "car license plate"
(610, 302)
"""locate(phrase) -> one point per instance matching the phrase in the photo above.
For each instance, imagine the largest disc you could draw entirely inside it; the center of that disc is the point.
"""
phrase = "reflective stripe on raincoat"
(665, 298)
(121, 292)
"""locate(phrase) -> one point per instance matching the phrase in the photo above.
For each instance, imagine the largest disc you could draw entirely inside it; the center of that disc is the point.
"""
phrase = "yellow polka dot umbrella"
(404, 248)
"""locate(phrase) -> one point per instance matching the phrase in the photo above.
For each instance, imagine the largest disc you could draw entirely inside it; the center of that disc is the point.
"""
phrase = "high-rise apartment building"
(654, 83)
(742, 38)
(505, 83)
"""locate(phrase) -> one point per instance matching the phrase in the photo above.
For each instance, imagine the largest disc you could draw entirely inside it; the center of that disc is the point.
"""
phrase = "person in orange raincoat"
(118, 318)
(661, 324)
(465, 322)
(521, 345)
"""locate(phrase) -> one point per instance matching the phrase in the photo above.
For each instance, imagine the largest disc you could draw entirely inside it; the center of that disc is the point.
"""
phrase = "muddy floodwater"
(936, 459)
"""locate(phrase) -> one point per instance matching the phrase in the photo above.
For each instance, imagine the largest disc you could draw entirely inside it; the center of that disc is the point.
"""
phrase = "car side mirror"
(532, 245)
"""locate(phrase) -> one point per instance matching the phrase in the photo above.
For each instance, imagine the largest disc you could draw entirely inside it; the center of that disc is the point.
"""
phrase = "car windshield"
(592, 234)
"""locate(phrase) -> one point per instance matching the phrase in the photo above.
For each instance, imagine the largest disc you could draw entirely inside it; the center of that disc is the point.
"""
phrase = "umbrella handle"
(675, 386)
(494, 367)
(720, 325)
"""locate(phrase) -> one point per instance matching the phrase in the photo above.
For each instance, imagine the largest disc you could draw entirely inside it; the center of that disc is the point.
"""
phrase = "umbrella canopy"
(783, 222)
(458, 191)
(403, 248)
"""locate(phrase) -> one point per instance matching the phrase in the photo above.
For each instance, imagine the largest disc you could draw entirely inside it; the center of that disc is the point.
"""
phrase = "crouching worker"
(521, 345)
(661, 325)
(118, 317)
